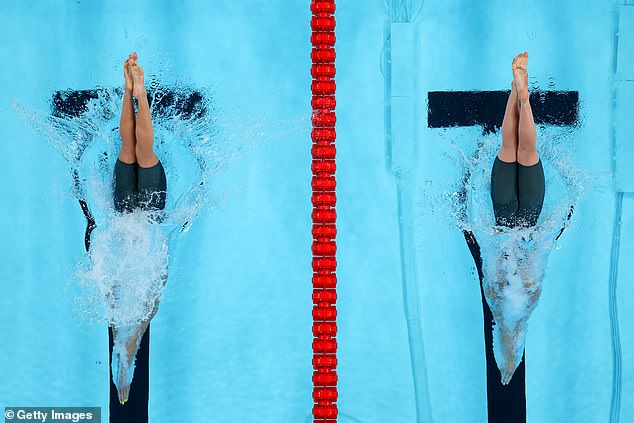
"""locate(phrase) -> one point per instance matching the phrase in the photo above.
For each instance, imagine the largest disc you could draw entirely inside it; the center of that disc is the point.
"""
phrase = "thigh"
(152, 187)
(504, 192)
(531, 190)
(125, 190)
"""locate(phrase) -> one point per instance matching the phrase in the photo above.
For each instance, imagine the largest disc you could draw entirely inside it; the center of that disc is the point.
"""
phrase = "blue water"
(232, 341)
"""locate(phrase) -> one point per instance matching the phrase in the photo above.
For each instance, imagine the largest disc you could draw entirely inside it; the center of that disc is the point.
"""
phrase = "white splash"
(515, 259)
(128, 269)
(125, 271)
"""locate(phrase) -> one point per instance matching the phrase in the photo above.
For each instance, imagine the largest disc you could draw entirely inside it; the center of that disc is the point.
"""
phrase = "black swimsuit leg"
(504, 192)
(531, 189)
(125, 190)
(152, 187)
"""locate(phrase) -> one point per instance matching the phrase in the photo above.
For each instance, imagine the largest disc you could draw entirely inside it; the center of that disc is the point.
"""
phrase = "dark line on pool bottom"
(505, 403)
(448, 109)
(188, 104)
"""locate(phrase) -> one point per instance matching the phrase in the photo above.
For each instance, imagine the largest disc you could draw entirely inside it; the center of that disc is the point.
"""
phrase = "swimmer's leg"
(152, 187)
(152, 183)
(508, 150)
(527, 134)
(144, 131)
(530, 176)
(125, 190)
(504, 174)
(127, 125)
(125, 169)
(531, 189)
(504, 192)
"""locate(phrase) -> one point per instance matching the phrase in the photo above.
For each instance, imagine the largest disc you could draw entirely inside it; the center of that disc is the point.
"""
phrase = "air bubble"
(534, 83)
(551, 82)
(533, 34)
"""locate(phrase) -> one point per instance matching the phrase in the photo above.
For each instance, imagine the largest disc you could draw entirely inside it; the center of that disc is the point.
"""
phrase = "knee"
(127, 155)
(508, 154)
(527, 156)
(145, 157)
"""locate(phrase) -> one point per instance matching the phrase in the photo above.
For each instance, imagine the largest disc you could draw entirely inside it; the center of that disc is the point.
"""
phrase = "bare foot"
(138, 78)
(129, 83)
(520, 76)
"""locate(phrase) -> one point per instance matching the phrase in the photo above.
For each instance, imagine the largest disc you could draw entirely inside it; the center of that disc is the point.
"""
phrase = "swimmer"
(139, 183)
(517, 193)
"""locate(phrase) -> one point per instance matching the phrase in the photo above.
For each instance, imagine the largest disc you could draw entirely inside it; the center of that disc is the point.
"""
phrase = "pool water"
(232, 340)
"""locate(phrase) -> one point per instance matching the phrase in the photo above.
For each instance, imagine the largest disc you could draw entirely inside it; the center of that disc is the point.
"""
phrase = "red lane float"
(324, 215)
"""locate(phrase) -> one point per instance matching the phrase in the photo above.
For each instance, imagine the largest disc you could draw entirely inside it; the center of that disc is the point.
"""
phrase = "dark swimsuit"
(139, 187)
(517, 193)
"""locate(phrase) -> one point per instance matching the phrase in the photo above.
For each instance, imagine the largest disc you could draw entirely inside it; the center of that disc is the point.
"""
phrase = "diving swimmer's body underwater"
(139, 183)
(517, 193)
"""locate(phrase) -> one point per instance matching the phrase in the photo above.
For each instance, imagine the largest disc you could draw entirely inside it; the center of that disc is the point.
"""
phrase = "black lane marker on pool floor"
(448, 109)
(136, 408)
(73, 103)
(486, 108)
(189, 104)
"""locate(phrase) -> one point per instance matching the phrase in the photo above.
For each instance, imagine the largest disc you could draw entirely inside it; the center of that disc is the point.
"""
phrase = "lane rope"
(324, 215)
